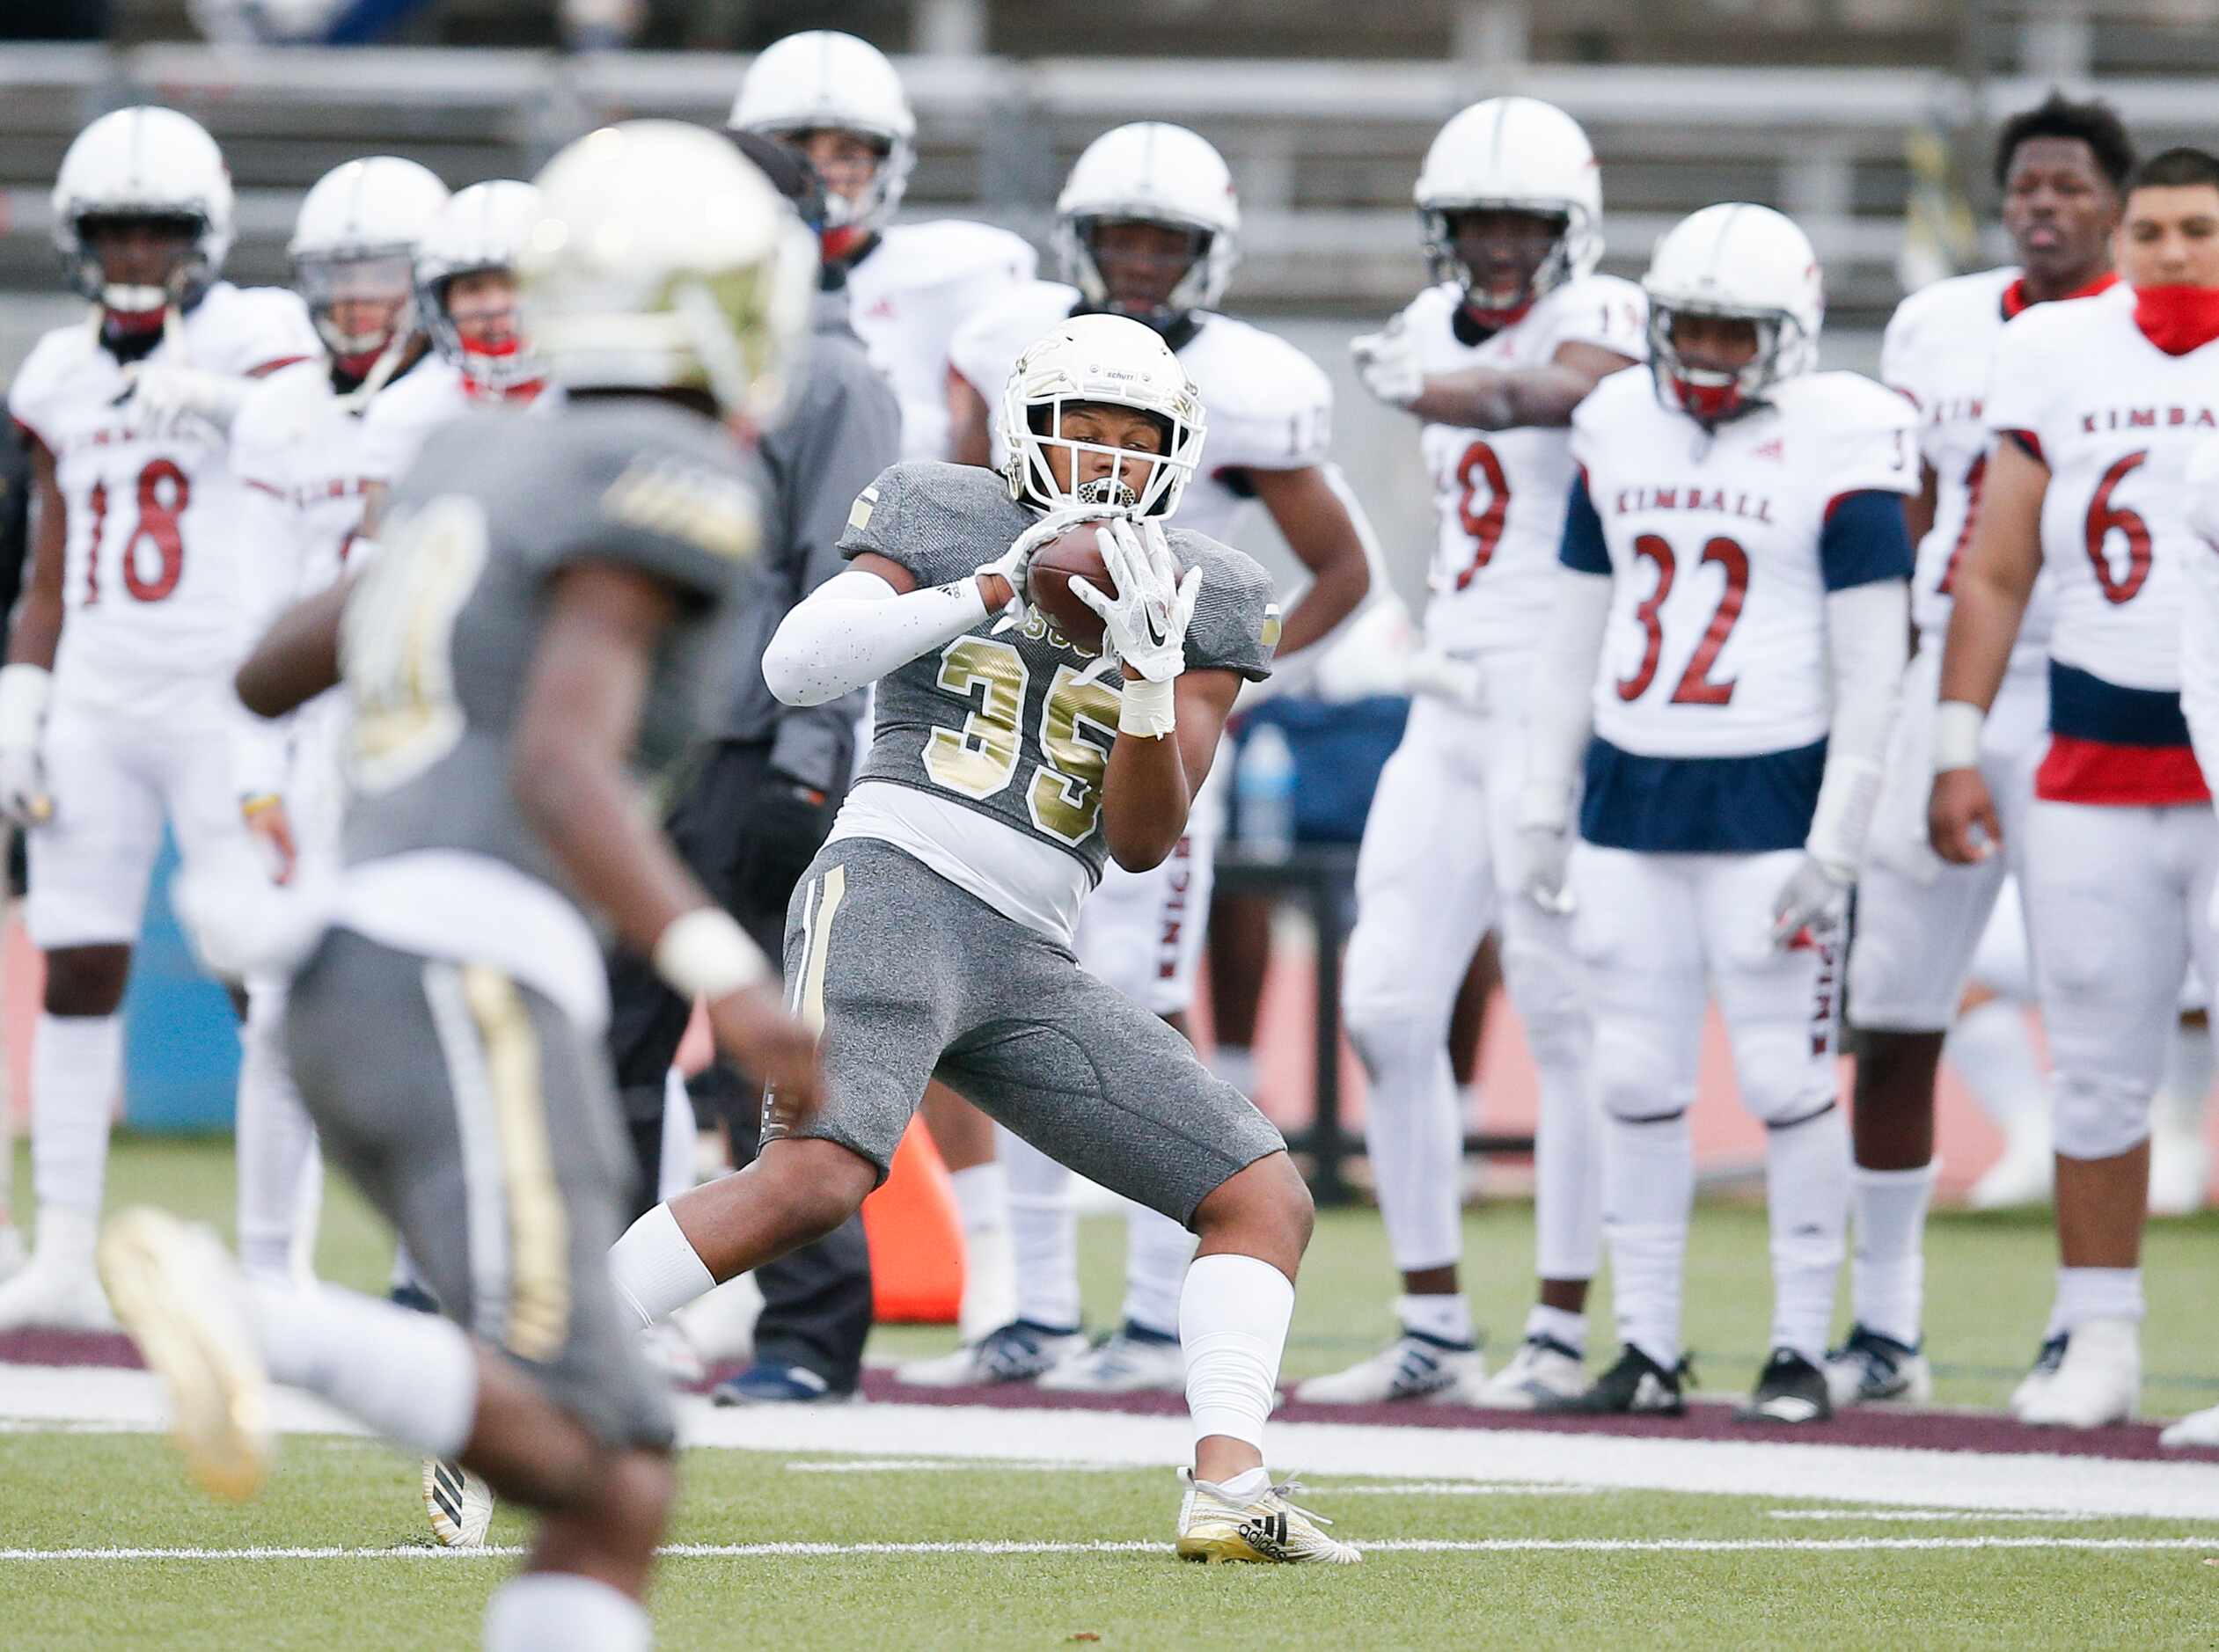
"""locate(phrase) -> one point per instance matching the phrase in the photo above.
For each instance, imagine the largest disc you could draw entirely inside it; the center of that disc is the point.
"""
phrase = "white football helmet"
(822, 80)
(1100, 359)
(482, 228)
(1511, 154)
(1747, 263)
(144, 162)
(662, 258)
(1150, 173)
(355, 238)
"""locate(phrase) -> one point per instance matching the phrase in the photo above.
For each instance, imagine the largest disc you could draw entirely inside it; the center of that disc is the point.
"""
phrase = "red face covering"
(2178, 319)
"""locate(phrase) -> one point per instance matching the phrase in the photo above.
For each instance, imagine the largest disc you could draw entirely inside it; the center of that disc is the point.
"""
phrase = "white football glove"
(1813, 899)
(1145, 625)
(1388, 363)
(165, 399)
(24, 693)
(1443, 676)
(1015, 564)
(1544, 879)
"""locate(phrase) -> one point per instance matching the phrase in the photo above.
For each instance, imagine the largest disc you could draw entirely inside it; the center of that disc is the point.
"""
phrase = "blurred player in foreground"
(2095, 406)
(2062, 169)
(1517, 330)
(935, 930)
(1732, 626)
(537, 617)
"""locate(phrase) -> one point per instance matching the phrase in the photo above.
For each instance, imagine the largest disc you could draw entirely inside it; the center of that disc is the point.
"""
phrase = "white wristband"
(24, 693)
(1957, 735)
(704, 953)
(1147, 709)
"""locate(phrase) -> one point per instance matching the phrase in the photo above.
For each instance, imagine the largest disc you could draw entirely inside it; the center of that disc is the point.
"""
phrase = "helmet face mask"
(359, 303)
(137, 265)
(1699, 380)
(1504, 255)
(1510, 205)
(135, 179)
(1742, 265)
(1060, 404)
(1147, 225)
(1152, 271)
(467, 287)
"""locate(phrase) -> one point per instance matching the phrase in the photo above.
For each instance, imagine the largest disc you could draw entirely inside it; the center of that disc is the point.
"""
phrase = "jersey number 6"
(2103, 518)
(1065, 799)
(1694, 687)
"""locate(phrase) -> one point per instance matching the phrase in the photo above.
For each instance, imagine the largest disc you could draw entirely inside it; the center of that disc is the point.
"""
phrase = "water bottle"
(1263, 785)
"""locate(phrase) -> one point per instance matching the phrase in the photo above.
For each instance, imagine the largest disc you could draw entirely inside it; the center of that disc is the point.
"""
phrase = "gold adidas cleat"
(1267, 1528)
(459, 1504)
(180, 1295)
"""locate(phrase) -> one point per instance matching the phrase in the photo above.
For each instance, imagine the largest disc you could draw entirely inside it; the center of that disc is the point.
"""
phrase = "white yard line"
(1390, 1545)
(1760, 1468)
(1899, 1516)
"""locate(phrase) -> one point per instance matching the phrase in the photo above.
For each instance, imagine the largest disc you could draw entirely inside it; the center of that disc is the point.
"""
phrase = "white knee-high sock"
(1887, 1270)
(558, 1612)
(656, 1270)
(76, 1066)
(2179, 1107)
(1044, 1233)
(989, 1269)
(1157, 1252)
(1992, 1048)
(2095, 1293)
(411, 1377)
(1806, 1172)
(1648, 1197)
(1414, 1137)
(277, 1147)
(681, 1131)
(1233, 1320)
(1567, 1160)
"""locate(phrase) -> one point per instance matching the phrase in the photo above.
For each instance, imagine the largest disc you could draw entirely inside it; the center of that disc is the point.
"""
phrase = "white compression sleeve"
(1561, 714)
(855, 628)
(1868, 645)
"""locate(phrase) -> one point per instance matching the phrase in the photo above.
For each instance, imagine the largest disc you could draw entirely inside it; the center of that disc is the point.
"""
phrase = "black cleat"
(1790, 1389)
(1636, 1385)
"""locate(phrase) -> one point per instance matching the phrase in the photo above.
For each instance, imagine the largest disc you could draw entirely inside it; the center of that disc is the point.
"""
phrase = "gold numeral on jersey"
(981, 760)
(1066, 797)
(395, 641)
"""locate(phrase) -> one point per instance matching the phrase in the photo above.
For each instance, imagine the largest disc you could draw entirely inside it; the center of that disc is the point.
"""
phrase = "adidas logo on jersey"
(1773, 450)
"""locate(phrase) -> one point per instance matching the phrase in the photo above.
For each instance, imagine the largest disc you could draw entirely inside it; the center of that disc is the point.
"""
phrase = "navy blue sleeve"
(1583, 550)
(1865, 540)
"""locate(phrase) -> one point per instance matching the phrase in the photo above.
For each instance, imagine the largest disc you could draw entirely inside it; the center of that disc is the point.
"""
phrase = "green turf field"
(2034, 1583)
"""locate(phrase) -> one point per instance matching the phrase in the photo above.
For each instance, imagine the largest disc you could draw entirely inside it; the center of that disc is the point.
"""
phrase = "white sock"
(76, 1065)
(1414, 1139)
(2097, 1293)
(275, 1142)
(655, 1268)
(1237, 1064)
(412, 1377)
(1992, 1048)
(557, 1611)
(1233, 1320)
(1567, 1144)
(2179, 1107)
(989, 1268)
(1444, 1316)
(1648, 1196)
(1806, 1190)
(1887, 1270)
(1044, 1233)
(1558, 1325)
(681, 1131)
(1157, 1252)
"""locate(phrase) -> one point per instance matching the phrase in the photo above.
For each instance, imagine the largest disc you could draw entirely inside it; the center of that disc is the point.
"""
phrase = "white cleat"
(1411, 1367)
(459, 1504)
(1542, 1370)
(2179, 1172)
(55, 1294)
(1121, 1363)
(1870, 1369)
(1266, 1528)
(671, 1354)
(2097, 1382)
(2025, 1176)
(2031, 1386)
(2200, 1428)
(184, 1302)
(1018, 1352)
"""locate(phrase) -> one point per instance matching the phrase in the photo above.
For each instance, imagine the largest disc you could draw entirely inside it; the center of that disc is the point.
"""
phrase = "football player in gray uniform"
(537, 621)
(932, 933)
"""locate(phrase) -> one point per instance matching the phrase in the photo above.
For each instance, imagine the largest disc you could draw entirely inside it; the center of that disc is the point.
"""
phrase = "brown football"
(1054, 565)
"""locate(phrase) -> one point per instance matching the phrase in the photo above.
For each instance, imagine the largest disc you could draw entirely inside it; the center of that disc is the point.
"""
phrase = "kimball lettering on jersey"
(2173, 418)
(1632, 502)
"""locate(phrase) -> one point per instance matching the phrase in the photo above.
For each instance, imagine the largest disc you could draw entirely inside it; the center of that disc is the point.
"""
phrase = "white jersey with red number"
(1716, 645)
(1500, 493)
(405, 412)
(1939, 348)
(908, 295)
(1269, 406)
(2115, 420)
(149, 580)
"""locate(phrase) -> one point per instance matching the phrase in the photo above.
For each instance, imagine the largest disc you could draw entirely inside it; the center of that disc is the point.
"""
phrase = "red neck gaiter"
(2015, 298)
(2178, 319)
